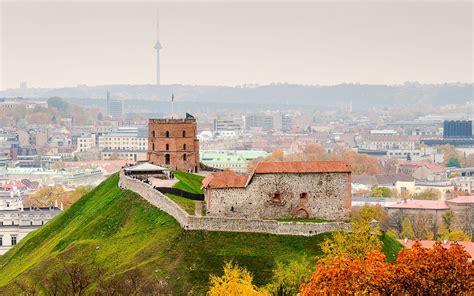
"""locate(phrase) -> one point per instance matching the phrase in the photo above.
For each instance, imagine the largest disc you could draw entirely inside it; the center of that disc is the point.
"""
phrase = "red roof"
(224, 180)
(302, 167)
(463, 200)
(468, 246)
(421, 205)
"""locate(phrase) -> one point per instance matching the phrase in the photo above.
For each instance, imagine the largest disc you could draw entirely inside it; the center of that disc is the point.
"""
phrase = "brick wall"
(175, 138)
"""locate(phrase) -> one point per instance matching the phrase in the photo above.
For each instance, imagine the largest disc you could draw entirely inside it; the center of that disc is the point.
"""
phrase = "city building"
(173, 143)
(235, 160)
(115, 108)
(457, 129)
(15, 221)
(228, 123)
(86, 142)
(462, 206)
(125, 143)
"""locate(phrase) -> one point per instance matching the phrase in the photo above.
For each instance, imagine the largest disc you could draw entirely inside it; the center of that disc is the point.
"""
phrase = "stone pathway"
(197, 208)
(163, 183)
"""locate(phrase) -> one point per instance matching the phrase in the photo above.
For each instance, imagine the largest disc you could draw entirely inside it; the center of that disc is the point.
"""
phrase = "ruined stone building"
(320, 189)
(173, 143)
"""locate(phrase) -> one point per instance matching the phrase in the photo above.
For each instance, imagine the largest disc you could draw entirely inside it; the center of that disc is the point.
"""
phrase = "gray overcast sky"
(54, 44)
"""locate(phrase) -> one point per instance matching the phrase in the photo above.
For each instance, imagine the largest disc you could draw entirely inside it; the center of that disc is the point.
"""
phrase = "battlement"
(172, 120)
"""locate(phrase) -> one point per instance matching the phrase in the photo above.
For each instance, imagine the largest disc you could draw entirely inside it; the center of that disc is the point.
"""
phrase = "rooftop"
(224, 180)
(421, 205)
(302, 167)
(462, 200)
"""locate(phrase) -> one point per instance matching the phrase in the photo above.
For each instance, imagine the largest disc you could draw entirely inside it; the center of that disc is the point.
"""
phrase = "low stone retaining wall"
(225, 224)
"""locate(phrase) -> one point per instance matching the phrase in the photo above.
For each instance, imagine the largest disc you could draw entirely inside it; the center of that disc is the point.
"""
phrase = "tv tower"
(158, 48)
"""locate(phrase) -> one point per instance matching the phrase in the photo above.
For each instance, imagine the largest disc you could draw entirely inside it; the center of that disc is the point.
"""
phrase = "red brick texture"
(173, 143)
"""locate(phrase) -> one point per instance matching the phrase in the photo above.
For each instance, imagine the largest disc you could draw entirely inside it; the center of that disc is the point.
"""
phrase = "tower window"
(167, 134)
(184, 134)
(184, 146)
(153, 134)
(152, 146)
(304, 195)
(167, 159)
(167, 146)
(184, 157)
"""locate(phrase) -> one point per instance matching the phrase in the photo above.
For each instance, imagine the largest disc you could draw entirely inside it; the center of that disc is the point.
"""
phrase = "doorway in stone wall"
(301, 213)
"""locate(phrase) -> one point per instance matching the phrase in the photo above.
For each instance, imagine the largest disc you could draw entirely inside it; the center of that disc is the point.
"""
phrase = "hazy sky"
(54, 44)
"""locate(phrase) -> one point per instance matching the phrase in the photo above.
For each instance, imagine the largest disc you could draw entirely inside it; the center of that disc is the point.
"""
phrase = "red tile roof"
(224, 180)
(468, 246)
(302, 167)
(463, 200)
(234, 180)
(421, 205)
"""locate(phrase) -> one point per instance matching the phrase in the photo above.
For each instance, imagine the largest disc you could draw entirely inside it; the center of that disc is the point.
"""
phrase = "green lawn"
(313, 220)
(130, 233)
(187, 204)
(188, 182)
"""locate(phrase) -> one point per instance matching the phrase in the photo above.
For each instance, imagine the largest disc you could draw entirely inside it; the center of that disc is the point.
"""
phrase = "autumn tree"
(235, 281)
(375, 212)
(429, 194)
(422, 226)
(470, 160)
(380, 191)
(448, 219)
(349, 276)
(452, 157)
(358, 243)
(288, 277)
(407, 229)
(419, 271)
(436, 271)
(361, 164)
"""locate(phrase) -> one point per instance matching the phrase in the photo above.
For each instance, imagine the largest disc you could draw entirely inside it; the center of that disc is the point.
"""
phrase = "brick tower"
(173, 143)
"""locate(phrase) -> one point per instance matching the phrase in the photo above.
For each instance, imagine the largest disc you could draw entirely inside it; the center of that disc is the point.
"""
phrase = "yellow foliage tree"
(356, 244)
(235, 281)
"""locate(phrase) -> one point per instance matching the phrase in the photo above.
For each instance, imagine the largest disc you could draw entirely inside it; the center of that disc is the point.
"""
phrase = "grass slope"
(131, 233)
(187, 204)
(188, 182)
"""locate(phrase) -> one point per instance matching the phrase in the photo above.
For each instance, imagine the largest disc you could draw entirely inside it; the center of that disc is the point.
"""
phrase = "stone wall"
(326, 196)
(225, 224)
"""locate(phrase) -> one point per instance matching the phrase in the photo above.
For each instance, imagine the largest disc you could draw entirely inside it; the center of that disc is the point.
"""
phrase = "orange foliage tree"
(361, 164)
(436, 271)
(346, 276)
(419, 271)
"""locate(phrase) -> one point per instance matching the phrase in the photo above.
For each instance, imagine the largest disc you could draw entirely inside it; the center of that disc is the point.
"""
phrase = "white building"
(16, 222)
(86, 142)
(128, 143)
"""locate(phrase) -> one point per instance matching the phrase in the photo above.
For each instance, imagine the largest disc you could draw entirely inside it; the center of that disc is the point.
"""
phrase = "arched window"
(184, 146)
(167, 159)
(167, 146)
(152, 146)
(153, 134)
(167, 134)
(184, 134)
(184, 157)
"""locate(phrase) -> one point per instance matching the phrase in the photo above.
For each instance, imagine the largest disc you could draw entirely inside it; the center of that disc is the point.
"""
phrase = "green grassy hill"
(120, 231)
